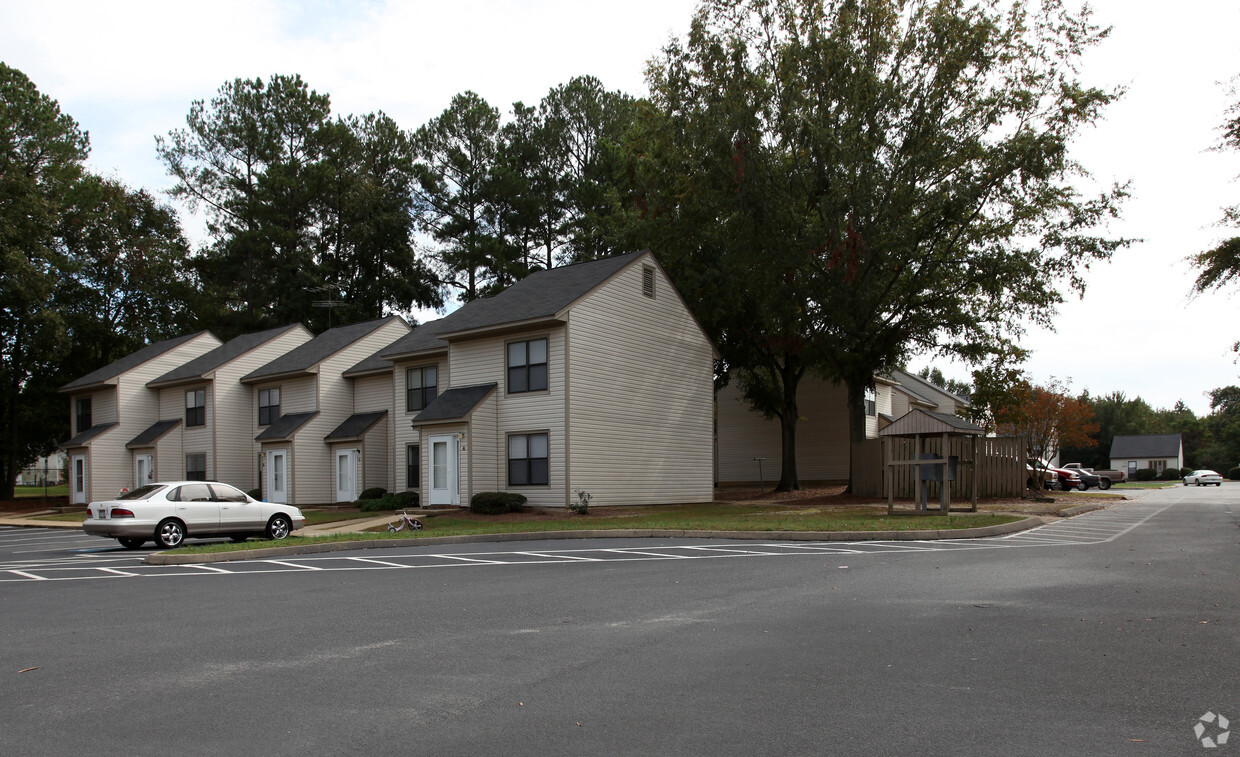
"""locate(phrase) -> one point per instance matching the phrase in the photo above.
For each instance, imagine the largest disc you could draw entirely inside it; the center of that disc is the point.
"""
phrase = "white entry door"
(277, 476)
(346, 475)
(445, 481)
(77, 479)
(143, 469)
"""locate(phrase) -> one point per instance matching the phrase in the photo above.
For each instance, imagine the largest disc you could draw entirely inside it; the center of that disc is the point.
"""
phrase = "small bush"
(374, 505)
(375, 492)
(1145, 474)
(495, 503)
(1233, 474)
(388, 502)
(582, 505)
(1171, 474)
(406, 499)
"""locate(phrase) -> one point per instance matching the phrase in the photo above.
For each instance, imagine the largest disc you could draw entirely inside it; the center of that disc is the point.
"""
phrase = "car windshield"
(142, 492)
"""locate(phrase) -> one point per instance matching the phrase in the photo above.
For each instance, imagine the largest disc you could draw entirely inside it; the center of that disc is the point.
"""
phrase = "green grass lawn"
(677, 517)
(1145, 484)
(38, 491)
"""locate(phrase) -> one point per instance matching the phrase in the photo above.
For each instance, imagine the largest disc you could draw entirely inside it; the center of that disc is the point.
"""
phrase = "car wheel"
(128, 543)
(1104, 484)
(278, 527)
(170, 533)
(1082, 486)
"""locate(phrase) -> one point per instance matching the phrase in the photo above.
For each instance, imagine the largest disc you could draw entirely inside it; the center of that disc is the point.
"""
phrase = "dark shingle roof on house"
(284, 427)
(301, 359)
(542, 294)
(204, 364)
(153, 432)
(454, 403)
(919, 384)
(1146, 445)
(87, 435)
(129, 362)
(356, 425)
(914, 395)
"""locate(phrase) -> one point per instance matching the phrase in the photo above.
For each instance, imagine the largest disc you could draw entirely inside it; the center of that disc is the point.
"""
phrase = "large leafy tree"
(41, 155)
(1048, 417)
(837, 184)
(300, 207)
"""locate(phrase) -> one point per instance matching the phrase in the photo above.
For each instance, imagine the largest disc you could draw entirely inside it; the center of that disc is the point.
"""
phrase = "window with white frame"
(528, 460)
(527, 366)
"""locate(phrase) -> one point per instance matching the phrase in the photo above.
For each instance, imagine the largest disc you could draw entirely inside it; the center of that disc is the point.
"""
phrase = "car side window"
(227, 493)
(195, 493)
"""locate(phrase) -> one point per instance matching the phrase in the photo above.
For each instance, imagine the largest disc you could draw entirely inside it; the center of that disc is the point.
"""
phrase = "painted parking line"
(1092, 528)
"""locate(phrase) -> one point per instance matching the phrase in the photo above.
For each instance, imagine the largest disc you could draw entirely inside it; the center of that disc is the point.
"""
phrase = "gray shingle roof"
(156, 430)
(920, 385)
(129, 362)
(1146, 445)
(284, 427)
(204, 364)
(542, 294)
(301, 359)
(87, 435)
(454, 403)
(356, 425)
(914, 395)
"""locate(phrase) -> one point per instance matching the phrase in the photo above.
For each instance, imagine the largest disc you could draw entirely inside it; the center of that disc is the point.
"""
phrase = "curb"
(1068, 513)
(1032, 521)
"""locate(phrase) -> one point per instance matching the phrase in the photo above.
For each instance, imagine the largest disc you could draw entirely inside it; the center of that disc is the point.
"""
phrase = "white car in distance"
(1203, 478)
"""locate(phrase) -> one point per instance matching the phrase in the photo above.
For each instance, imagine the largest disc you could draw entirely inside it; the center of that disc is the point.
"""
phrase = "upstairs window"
(871, 402)
(268, 406)
(420, 387)
(527, 366)
(196, 407)
(83, 413)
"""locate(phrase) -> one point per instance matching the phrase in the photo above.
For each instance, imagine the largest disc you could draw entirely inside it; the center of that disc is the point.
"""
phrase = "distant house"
(1157, 451)
(48, 470)
(911, 391)
(112, 406)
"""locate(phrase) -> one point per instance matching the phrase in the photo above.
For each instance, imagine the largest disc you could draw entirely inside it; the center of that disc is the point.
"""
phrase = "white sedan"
(170, 512)
(1203, 478)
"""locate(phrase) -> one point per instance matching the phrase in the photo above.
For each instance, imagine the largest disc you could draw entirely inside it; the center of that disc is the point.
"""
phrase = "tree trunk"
(790, 378)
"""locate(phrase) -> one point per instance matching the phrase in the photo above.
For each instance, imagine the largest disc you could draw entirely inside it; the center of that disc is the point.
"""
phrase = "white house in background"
(1157, 451)
(206, 413)
(316, 449)
(47, 470)
(592, 377)
(111, 406)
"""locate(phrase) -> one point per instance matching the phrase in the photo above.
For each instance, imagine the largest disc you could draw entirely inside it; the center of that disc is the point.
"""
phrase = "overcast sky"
(128, 71)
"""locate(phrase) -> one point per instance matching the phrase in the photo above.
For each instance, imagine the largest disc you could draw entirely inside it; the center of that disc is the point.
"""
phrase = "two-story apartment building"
(311, 441)
(592, 377)
(206, 413)
(112, 406)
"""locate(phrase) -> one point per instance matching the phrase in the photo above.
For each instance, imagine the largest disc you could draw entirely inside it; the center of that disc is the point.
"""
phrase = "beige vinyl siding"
(822, 435)
(372, 393)
(489, 466)
(312, 481)
(641, 392)
(483, 361)
(169, 456)
(137, 407)
(236, 410)
(102, 407)
(402, 429)
(376, 457)
(297, 395)
(198, 439)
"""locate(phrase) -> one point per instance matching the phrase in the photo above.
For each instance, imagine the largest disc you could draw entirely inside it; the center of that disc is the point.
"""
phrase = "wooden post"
(973, 509)
(945, 495)
(889, 474)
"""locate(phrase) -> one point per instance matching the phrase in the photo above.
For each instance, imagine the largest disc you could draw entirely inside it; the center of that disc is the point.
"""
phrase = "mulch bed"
(31, 505)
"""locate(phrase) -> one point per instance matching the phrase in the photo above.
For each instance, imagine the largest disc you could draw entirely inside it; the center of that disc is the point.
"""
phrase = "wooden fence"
(1000, 467)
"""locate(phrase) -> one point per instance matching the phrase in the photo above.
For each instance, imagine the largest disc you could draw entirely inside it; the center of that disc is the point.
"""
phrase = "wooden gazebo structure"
(921, 425)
